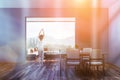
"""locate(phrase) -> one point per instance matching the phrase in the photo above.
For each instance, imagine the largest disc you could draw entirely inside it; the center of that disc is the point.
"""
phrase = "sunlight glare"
(94, 3)
(80, 1)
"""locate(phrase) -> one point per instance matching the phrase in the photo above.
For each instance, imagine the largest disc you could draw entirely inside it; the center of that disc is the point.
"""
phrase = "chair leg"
(103, 70)
(97, 68)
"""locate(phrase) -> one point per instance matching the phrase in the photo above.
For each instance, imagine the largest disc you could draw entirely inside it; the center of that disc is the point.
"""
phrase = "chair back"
(73, 54)
(96, 53)
(87, 50)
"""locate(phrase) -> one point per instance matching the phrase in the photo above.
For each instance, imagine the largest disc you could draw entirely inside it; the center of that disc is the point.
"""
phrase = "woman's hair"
(41, 37)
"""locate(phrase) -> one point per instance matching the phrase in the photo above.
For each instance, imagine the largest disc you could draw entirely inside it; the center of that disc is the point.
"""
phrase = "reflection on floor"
(53, 70)
(6, 68)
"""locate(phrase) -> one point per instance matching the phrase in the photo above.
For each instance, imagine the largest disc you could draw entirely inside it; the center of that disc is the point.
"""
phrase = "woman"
(40, 46)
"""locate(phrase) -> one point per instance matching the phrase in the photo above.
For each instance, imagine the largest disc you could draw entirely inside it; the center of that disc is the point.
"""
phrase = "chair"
(72, 58)
(97, 60)
(87, 50)
(85, 54)
(85, 58)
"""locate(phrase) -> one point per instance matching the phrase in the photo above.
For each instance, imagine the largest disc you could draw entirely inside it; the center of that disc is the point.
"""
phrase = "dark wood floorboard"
(55, 70)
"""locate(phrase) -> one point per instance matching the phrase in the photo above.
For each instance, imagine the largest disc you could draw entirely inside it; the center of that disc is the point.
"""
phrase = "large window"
(59, 32)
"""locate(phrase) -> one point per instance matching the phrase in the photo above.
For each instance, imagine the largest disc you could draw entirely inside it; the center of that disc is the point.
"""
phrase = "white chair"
(87, 50)
(97, 60)
(86, 54)
(72, 58)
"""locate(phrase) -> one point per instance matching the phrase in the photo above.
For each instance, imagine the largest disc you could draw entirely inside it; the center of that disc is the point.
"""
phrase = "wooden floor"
(53, 70)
